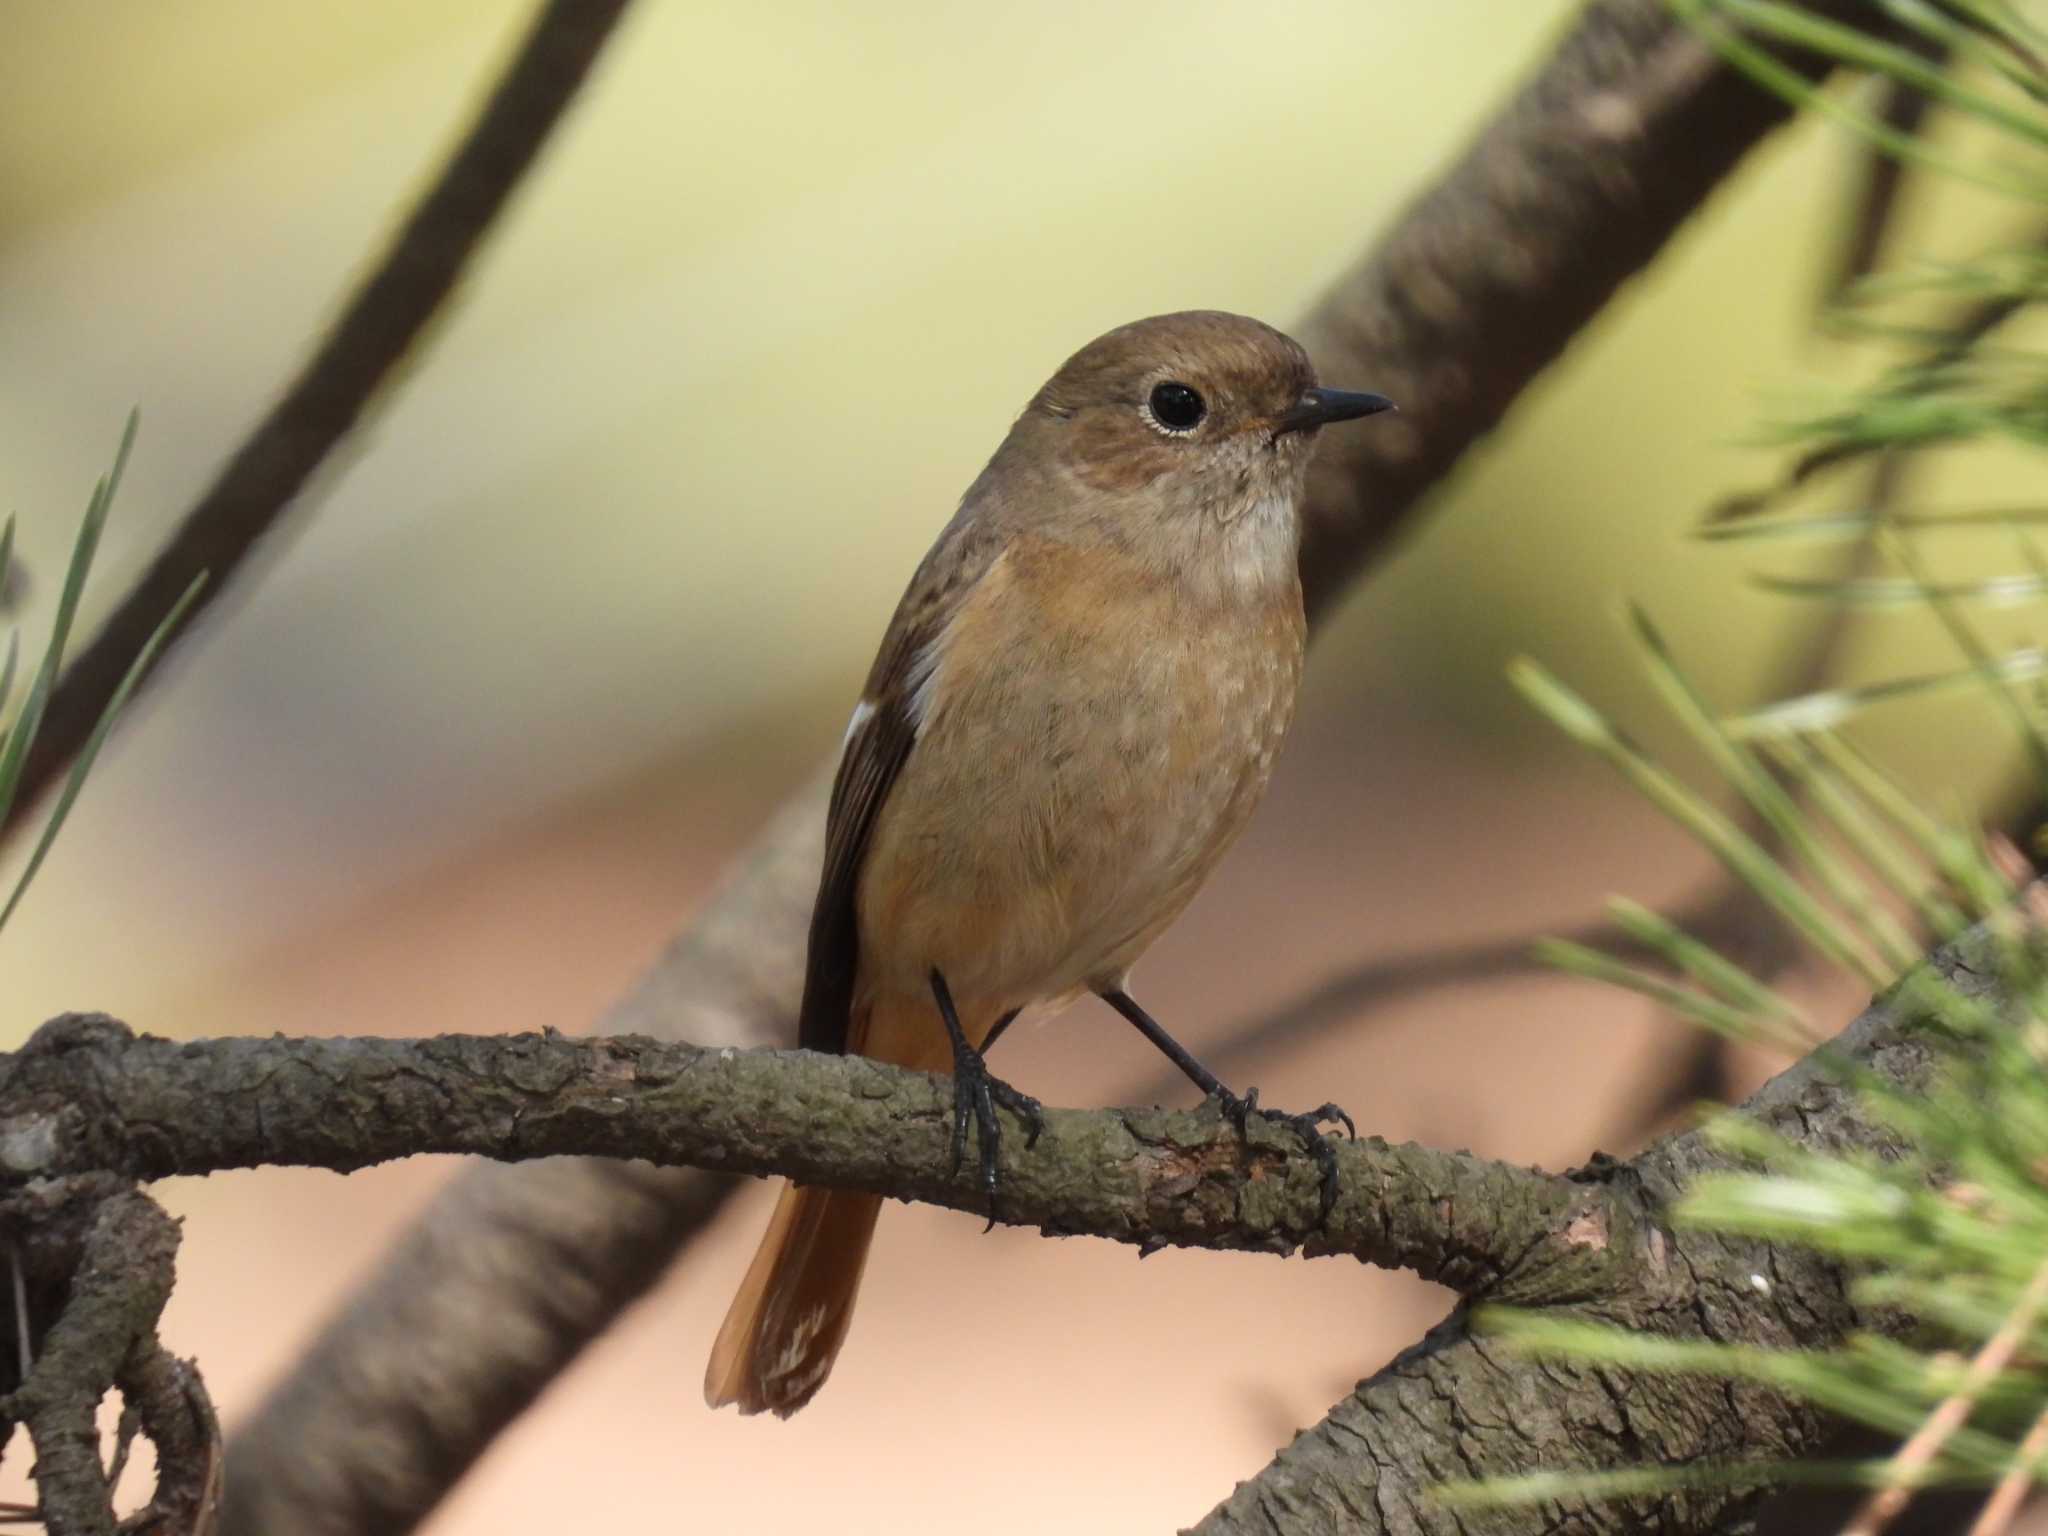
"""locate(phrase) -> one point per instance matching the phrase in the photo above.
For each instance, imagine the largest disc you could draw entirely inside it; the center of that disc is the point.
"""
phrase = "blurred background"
(596, 587)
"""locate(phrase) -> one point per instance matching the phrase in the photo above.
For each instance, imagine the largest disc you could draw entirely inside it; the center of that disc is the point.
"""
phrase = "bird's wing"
(878, 743)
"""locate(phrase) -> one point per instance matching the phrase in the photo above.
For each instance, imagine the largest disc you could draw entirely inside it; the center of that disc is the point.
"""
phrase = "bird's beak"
(1319, 407)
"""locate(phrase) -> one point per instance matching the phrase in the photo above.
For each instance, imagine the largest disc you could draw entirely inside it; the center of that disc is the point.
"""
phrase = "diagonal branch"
(371, 337)
(1726, 915)
(1573, 188)
(1459, 1406)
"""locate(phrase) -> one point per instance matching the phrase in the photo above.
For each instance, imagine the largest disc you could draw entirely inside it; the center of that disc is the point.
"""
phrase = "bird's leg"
(988, 1041)
(1240, 1109)
(977, 1092)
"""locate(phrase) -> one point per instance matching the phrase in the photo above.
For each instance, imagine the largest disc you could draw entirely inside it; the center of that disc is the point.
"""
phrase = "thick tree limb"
(1572, 189)
(1456, 1406)
(321, 407)
(87, 1095)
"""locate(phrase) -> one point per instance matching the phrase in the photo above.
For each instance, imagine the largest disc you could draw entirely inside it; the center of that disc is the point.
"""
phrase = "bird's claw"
(1238, 1110)
(976, 1094)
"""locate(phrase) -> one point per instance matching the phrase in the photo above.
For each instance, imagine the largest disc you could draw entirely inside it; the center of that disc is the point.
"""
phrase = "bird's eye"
(1176, 408)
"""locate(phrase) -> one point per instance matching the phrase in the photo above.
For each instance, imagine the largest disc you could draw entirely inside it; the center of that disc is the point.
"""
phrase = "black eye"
(1176, 407)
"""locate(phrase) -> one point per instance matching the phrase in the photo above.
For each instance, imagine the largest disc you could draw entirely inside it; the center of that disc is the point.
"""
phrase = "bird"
(1072, 714)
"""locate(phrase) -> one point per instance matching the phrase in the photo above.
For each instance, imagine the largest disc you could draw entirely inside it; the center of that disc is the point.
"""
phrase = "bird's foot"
(976, 1093)
(1308, 1127)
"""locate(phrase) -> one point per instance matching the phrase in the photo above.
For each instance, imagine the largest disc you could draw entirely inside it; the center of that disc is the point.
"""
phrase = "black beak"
(1319, 407)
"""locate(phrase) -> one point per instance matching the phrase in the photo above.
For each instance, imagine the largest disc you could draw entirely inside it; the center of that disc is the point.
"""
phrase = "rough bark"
(1457, 1406)
(1577, 183)
(88, 1095)
(97, 1261)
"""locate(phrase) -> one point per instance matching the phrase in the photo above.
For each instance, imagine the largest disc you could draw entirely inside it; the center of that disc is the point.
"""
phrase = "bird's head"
(1196, 412)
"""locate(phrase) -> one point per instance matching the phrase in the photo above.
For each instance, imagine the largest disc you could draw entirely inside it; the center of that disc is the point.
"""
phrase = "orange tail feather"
(785, 1326)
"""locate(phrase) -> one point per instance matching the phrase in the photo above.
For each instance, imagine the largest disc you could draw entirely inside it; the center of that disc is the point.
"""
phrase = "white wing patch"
(922, 678)
(863, 712)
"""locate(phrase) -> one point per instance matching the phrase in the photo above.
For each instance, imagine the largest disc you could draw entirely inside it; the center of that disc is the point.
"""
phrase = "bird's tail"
(785, 1326)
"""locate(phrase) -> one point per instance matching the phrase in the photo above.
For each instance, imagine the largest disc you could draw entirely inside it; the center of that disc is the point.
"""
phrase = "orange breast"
(1094, 741)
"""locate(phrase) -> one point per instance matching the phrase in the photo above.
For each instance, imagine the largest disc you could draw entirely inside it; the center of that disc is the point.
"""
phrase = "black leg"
(977, 1093)
(989, 1042)
(1308, 1127)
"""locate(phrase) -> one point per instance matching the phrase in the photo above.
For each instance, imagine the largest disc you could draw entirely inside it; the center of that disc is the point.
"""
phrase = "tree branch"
(88, 1100)
(114, 1253)
(169, 1405)
(88, 1095)
(321, 407)
(1457, 1406)
(1572, 189)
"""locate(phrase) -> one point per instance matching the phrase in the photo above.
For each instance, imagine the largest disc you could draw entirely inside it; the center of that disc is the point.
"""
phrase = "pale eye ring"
(1175, 408)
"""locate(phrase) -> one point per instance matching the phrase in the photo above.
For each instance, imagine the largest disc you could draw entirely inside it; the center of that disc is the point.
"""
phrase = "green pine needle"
(21, 733)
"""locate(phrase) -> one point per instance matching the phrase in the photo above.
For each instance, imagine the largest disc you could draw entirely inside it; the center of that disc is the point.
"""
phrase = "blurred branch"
(1577, 183)
(1727, 916)
(379, 326)
(1571, 190)
(512, 1271)
(1975, 325)
(1883, 178)
(87, 1095)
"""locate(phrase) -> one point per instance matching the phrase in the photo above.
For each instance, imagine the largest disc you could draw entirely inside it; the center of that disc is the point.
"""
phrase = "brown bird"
(1074, 712)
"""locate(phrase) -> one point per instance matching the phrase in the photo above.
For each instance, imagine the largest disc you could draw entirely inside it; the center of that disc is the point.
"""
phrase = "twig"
(1974, 325)
(1918, 1453)
(24, 1350)
(380, 324)
(2012, 1489)
(1883, 177)
(126, 1428)
(171, 1405)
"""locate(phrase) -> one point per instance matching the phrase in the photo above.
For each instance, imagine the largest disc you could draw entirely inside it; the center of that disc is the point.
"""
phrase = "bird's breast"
(1094, 738)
